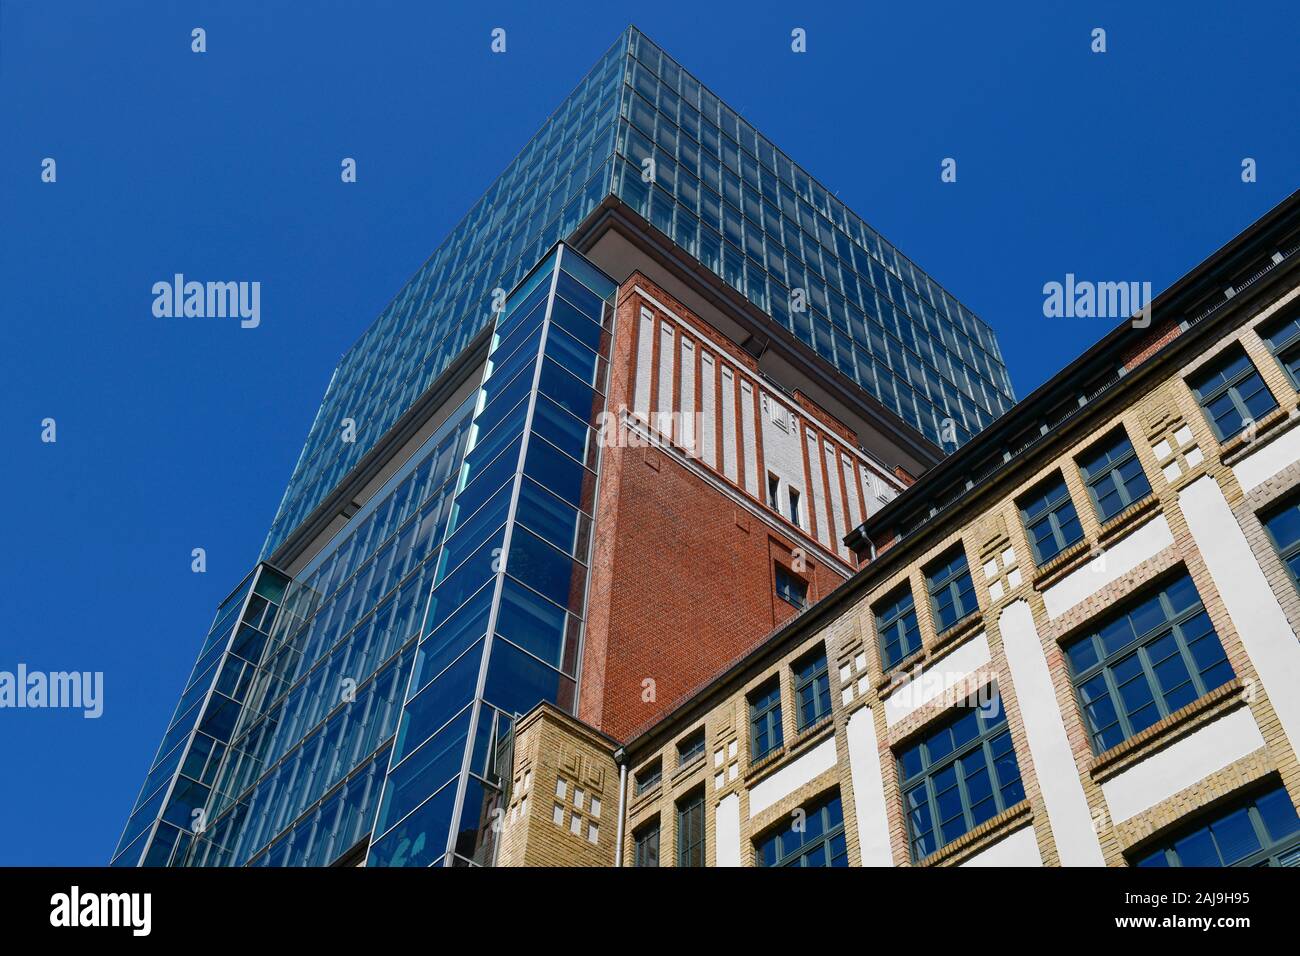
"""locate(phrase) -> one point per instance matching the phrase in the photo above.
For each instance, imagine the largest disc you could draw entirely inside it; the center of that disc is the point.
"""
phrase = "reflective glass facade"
(727, 197)
(504, 624)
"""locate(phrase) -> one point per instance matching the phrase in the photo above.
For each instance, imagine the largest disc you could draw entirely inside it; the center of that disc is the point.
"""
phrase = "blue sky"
(175, 434)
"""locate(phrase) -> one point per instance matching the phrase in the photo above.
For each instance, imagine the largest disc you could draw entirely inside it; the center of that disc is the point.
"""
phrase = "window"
(1114, 476)
(952, 593)
(690, 830)
(1231, 392)
(1050, 519)
(765, 721)
(690, 747)
(815, 840)
(1284, 528)
(796, 516)
(958, 776)
(646, 841)
(790, 588)
(812, 688)
(648, 777)
(1145, 663)
(1262, 830)
(774, 492)
(1282, 336)
(896, 627)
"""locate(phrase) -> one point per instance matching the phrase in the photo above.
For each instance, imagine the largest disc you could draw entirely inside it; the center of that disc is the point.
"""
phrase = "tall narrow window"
(774, 492)
(1141, 665)
(646, 841)
(896, 627)
(1114, 475)
(1284, 528)
(1231, 392)
(1050, 520)
(796, 516)
(952, 593)
(690, 830)
(812, 688)
(765, 734)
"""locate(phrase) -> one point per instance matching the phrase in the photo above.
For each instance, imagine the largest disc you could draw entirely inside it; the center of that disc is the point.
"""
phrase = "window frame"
(648, 777)
(1287, 349)
(1289, 552)
(690, 754)
(819, 674)
(691, 803)
(1140, 645)
(886, 624)
(951, 583)
(640, 843)
(770, 714)
(990, 732)
(1052, 511)
(1231, 387)
(1269, 853)
(798, 856)
(781, 573)
(1112, 470)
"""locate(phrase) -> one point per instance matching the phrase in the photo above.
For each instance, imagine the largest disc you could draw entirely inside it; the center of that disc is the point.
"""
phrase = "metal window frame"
(1106, 663)
(951, 583)
(1231, 387)
(1112, 470)
(1267, 855)
(928, 771)
(886, 624)
(829, 833)
(803, 721)
(1053, 515)
(770, 715)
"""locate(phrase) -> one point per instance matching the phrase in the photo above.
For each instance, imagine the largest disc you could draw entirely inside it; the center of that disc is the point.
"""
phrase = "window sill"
(955, 633)
(1128, 519)
(688, 768)
(1268, 428)
(982, 837)
(1068, 560)
(1164, 732)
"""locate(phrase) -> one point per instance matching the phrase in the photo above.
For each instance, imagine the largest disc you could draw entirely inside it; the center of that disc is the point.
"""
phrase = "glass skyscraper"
(357, 707)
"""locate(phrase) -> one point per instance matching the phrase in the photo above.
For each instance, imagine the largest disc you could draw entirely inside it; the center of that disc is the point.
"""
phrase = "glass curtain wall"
(503, 627)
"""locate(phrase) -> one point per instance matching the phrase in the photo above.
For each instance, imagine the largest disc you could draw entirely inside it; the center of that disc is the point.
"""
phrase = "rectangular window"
(1231, 392)
(646, 841)
(690, 830)
(765, 734)
(812, 688)
(958, 776)
(1284, 528)
(1050, 519)
(1282, 336)
(1114, 476)
(774, 492)
(796, 516)
(690, 747)
(1143, 664)
(816, 838)
(648, 777)
(952, 593)
(896, 627)
(790, 588)
(1262, 830)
